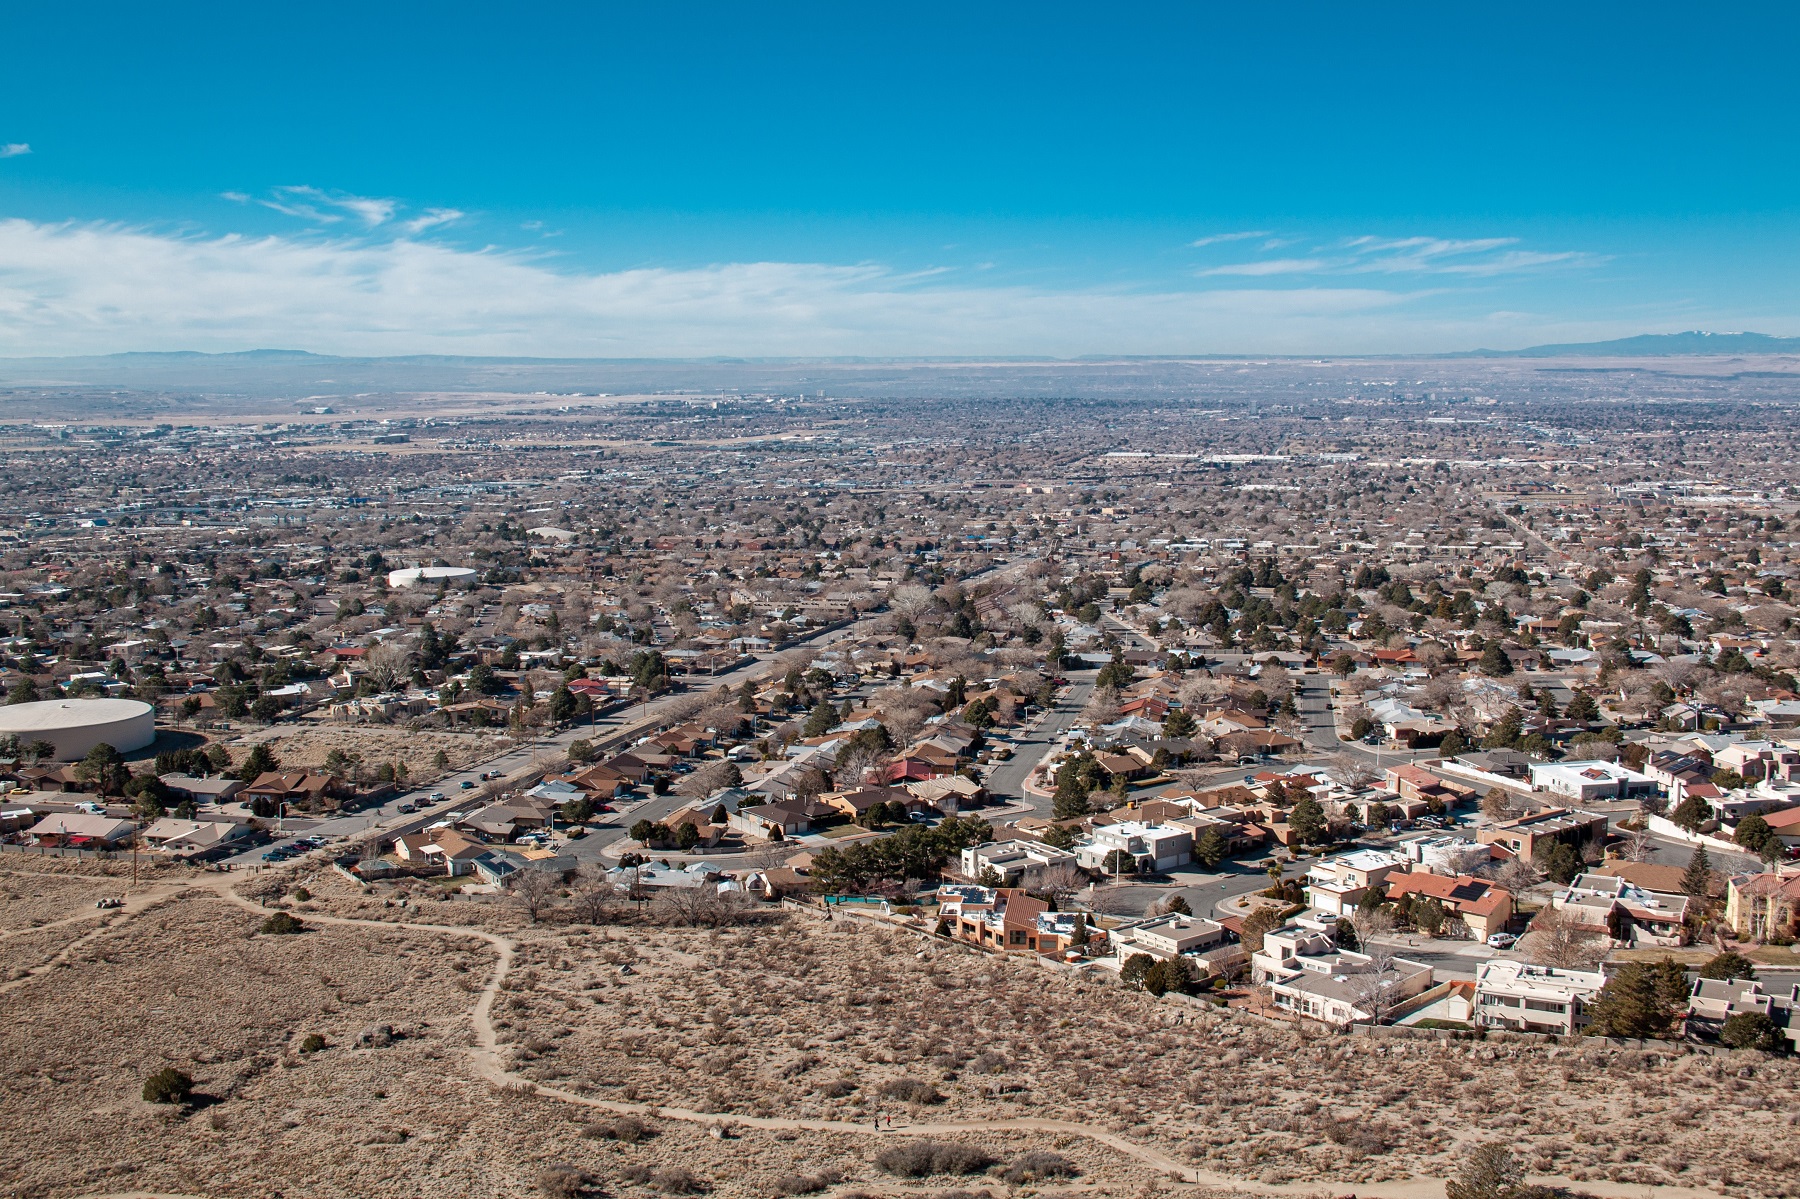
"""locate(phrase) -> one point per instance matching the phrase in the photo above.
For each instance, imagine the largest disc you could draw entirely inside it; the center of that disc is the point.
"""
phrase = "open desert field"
(305, 746)
(464, 1050)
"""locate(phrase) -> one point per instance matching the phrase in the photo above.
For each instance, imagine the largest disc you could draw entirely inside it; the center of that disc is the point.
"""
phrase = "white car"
(1501, 940)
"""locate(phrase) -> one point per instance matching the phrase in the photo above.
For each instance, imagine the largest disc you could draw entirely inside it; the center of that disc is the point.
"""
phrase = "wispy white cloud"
(1483, 256)
(93, 288)
(328, 208)
(431, 219)
(83, 288)
(1272, 266)
(14, 149)
(1216, 238)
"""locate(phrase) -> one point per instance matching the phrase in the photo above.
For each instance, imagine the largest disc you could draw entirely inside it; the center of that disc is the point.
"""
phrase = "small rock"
(376, 1036)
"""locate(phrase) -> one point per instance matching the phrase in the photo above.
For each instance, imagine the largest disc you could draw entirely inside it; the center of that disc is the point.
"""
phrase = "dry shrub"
(679, 1180)
(922, 1159)
(628, 1129)
(806, 1184)
(1367, 1136)
(988, 1062)
(837, 1088)
(559, 1181)
(1037, 1166)
(910, 1090)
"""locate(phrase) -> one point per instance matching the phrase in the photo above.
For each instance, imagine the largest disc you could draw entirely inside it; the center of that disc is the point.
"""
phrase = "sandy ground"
(467, 1050)
(306, 746)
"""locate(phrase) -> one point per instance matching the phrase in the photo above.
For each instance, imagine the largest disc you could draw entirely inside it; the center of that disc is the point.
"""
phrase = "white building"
(1444, 854)
(1308, 975)
(1155, 846)
(1011, 860)
(1585, 782)
(1524, 997)
(1170, 936)
(1334, 886)
(72, 727)
(432, 576)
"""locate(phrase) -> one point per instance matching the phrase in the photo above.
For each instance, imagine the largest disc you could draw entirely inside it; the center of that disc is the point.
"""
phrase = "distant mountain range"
(1653, 345)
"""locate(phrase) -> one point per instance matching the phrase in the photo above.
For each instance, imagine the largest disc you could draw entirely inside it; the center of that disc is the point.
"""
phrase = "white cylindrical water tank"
(75, 726)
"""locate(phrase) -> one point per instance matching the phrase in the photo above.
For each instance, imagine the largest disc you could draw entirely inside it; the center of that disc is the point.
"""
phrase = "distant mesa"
(413, 576)
(1653, 345)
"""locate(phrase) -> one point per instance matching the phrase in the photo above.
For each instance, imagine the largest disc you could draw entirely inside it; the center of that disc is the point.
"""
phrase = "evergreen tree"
(1753, 832)
(1644, 999)
(1583, 708)
(1178, 724)
(1691, 813)
(1506, 732)
(1697, 882)
(1558, 860)
(1308, 821)
(1210, 849)
(1729, 965)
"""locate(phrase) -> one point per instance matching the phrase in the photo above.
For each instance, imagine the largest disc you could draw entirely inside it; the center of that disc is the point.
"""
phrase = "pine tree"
(1308, 821)
(1697, 882)
(1642, 1000)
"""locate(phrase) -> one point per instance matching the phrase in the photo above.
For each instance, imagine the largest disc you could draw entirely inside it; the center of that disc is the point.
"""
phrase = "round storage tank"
(74, 726)
(431, 576)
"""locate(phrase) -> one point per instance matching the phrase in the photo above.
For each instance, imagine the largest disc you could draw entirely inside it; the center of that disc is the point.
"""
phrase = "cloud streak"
(1219, 238)
(319, 207)
(91, 288)
(1369, 255)
(14, 149)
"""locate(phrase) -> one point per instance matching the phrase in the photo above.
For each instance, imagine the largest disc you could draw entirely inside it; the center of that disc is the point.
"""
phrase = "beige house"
(1758, 906)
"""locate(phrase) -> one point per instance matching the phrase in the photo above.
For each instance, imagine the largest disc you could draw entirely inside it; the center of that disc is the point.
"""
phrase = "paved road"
(1203, 889)
(617, 731)
(1008, 778)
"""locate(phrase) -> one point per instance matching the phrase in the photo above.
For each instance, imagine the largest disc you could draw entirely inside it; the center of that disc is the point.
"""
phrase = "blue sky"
(841, 179)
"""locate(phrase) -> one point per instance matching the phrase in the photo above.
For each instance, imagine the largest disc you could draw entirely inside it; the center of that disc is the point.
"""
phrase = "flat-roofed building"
(1525, 997)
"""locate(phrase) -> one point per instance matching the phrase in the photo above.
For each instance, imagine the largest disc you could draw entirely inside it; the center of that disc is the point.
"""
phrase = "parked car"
(408, 807)
(468, 785)
(1501, 940)
(435, 796)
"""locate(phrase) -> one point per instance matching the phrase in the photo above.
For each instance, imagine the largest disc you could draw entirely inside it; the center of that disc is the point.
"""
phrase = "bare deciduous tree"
(388, 664)
(1557, 940)
(535, 891)
(701, 907)
(1059, 882)
(595, 899)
